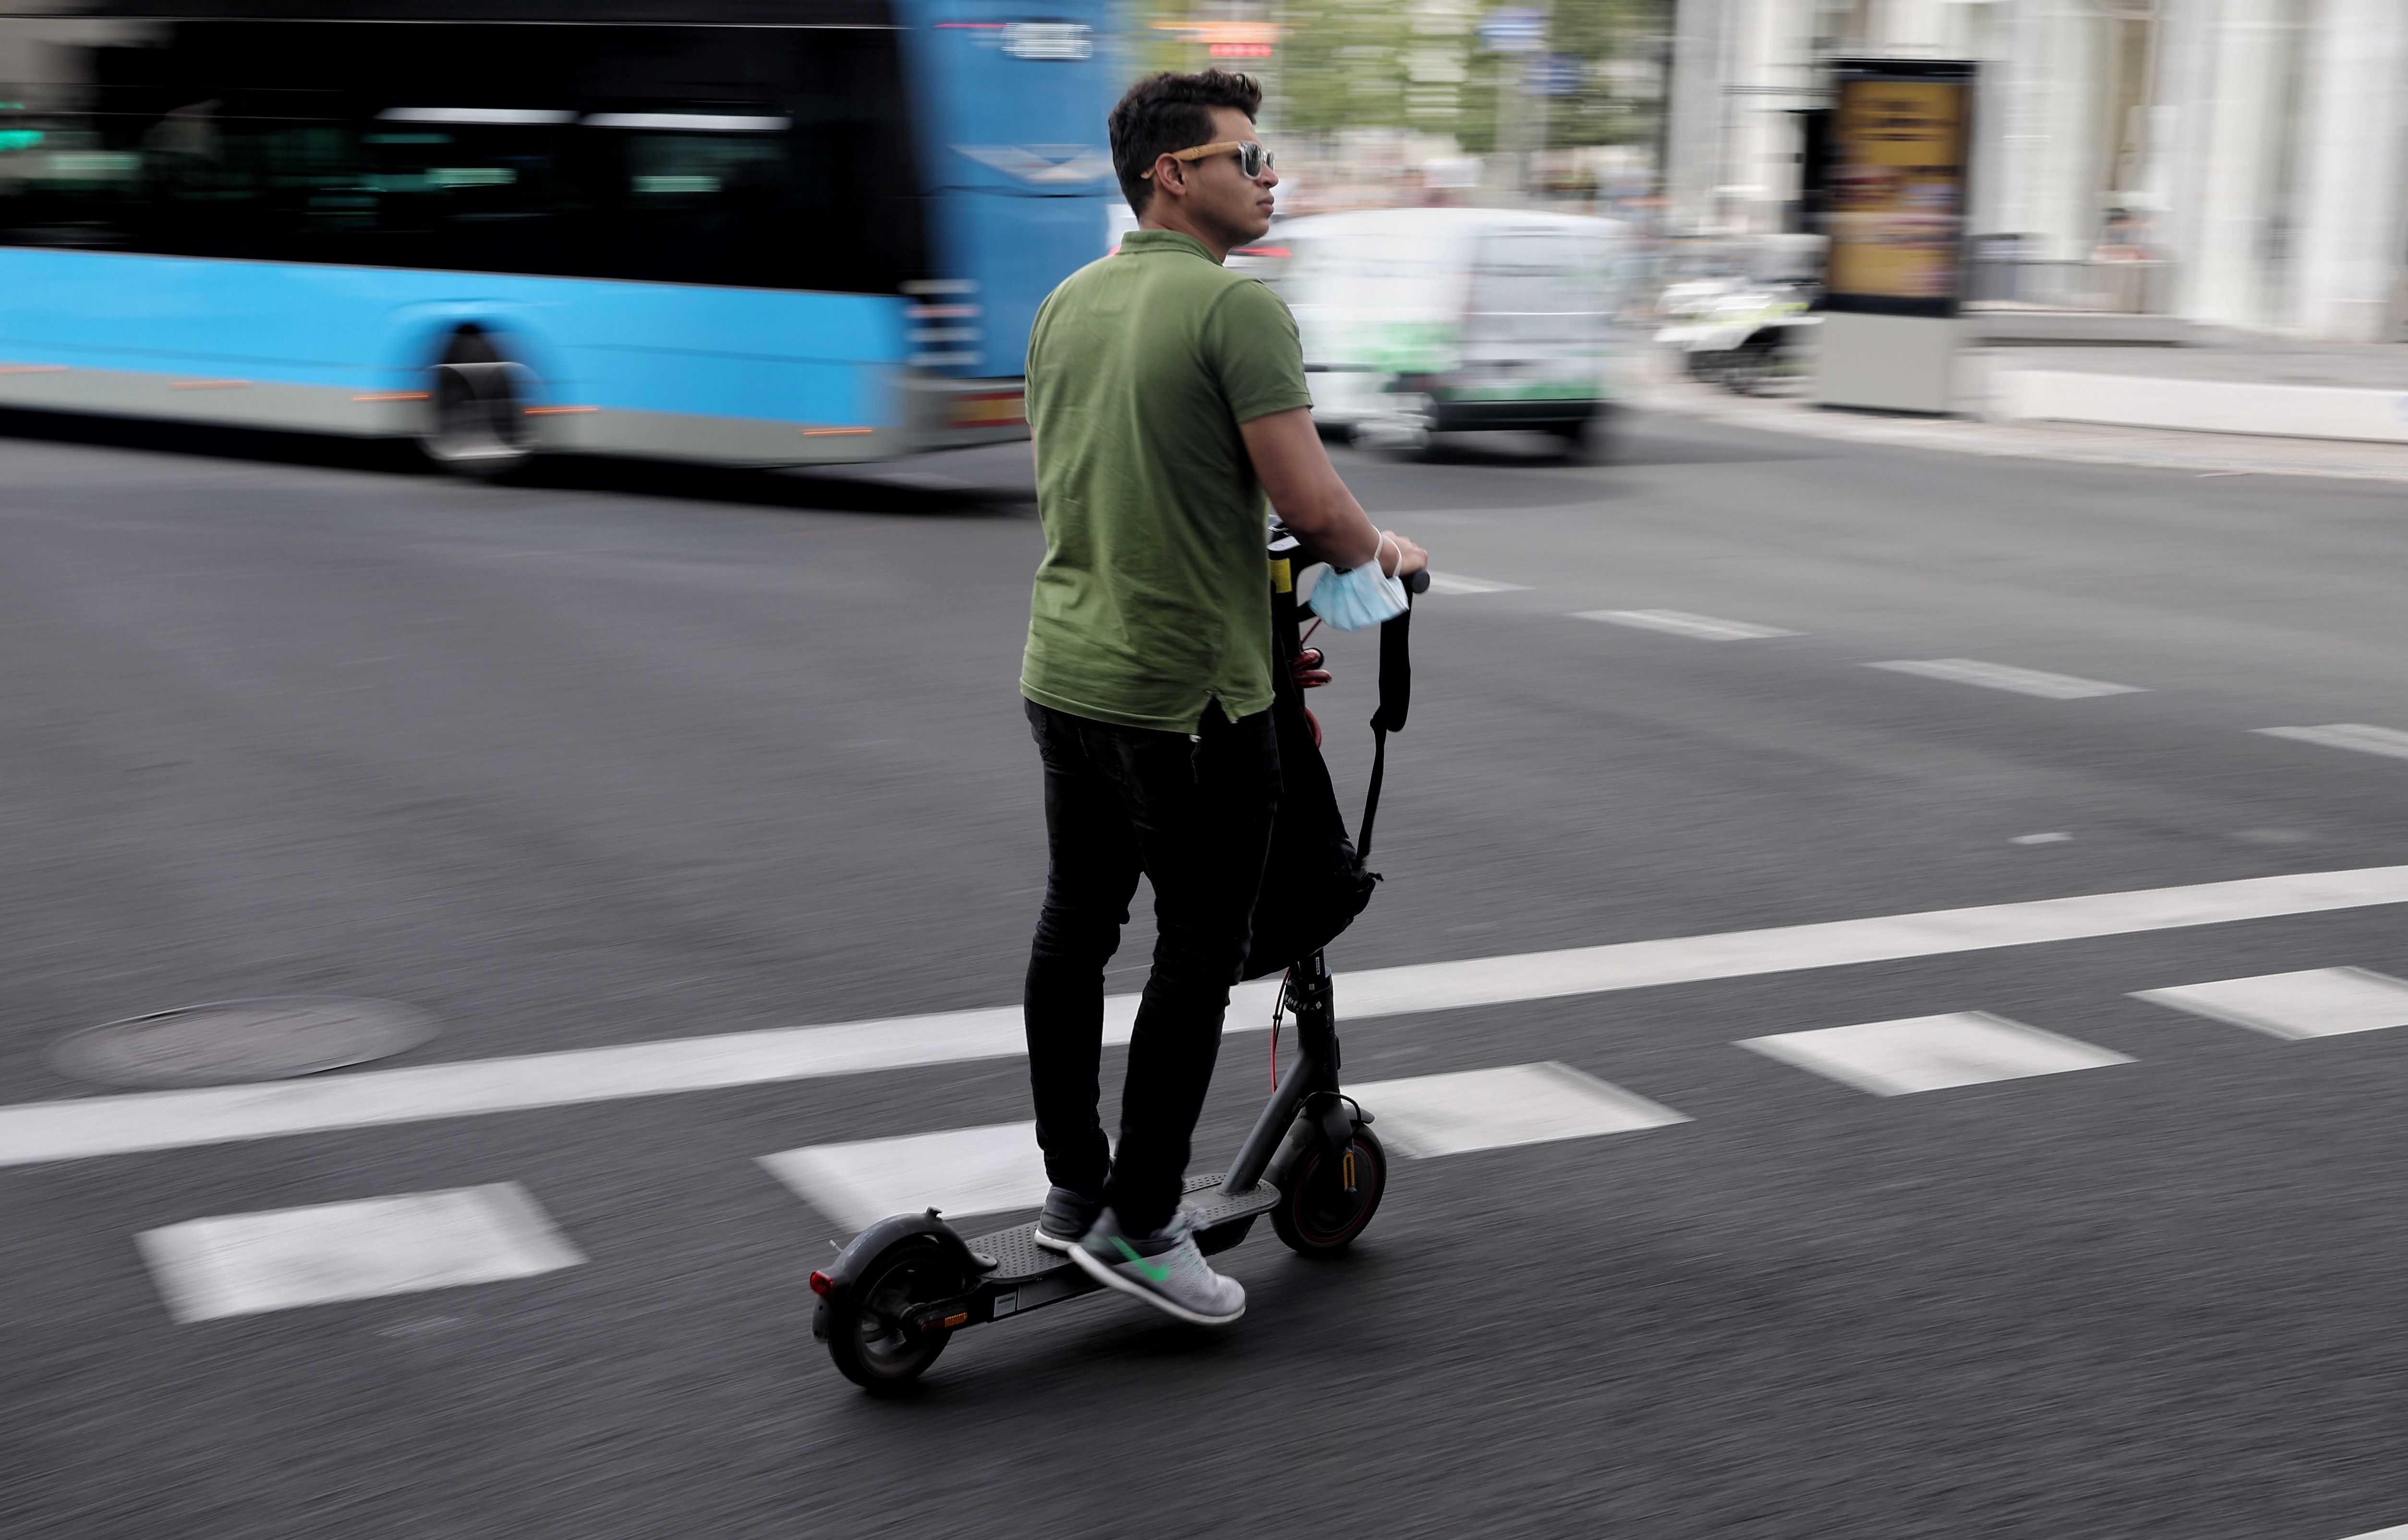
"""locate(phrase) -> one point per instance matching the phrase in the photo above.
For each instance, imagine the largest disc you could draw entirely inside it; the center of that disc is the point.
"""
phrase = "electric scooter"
(895, 1296)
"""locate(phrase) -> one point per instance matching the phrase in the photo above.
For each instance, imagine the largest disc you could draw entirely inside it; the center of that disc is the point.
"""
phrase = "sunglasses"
(1252, 159)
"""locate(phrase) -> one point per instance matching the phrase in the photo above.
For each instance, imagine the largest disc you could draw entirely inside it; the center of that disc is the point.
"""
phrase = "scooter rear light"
(823, 1285)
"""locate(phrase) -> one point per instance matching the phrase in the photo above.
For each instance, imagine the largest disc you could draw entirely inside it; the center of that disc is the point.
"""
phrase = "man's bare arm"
(1309, 497)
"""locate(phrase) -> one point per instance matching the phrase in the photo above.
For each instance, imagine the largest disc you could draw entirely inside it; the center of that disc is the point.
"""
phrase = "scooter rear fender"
(866, 1248)
(846, 1271)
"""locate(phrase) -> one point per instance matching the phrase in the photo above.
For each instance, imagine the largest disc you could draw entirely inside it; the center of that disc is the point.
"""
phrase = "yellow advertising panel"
(1897, 188)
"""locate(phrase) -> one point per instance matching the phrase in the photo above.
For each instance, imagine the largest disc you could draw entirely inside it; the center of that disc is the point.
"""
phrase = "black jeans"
(1194, 815)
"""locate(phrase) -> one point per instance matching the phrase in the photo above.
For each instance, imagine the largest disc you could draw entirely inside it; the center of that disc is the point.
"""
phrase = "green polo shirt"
(1154, 600)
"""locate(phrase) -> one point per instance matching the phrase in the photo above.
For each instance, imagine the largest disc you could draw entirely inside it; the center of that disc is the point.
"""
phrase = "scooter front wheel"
(869, 1334)
(1328, 1198)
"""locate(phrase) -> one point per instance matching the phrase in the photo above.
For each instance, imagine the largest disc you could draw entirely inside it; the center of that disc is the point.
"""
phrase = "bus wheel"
(477, 417)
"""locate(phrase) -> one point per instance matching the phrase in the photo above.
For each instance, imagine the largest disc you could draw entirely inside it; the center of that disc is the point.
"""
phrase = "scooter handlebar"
(1417, 583)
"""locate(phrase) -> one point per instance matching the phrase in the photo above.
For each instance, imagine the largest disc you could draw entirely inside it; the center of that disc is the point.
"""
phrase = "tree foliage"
(1421, 65)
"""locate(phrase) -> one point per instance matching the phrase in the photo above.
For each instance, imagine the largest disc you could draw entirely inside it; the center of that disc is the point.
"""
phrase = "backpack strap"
(1395, 700)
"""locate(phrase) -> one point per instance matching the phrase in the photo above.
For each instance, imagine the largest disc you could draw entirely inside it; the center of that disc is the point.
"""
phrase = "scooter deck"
(1027, 1275)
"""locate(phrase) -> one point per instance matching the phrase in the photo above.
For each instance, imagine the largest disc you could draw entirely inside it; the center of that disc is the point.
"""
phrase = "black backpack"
(1315, 883)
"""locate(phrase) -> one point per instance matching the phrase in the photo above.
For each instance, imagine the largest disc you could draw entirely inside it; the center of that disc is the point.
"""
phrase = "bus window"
(59, 185)
(702, 206)
(696, 155)
(492, 196)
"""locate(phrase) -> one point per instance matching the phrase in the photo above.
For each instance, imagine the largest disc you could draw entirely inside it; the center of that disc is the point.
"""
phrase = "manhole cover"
(241, 1040)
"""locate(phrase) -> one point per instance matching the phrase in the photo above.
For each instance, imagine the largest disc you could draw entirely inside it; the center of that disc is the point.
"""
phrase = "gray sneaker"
(1066, 1219)
(1164, 1269)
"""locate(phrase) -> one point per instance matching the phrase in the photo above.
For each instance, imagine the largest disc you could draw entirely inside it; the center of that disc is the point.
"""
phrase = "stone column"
(1771, 75)
(2354, 119)
(2240, 149)
(1694, 150)
(2053, 150)
(1915, 29)
(1990, 34)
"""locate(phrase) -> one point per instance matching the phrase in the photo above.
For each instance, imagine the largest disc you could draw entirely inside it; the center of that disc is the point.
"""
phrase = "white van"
(1423, 321)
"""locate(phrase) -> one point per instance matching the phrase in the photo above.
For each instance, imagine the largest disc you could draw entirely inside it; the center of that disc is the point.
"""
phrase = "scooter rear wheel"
(1317, 1216)
(867, 1334)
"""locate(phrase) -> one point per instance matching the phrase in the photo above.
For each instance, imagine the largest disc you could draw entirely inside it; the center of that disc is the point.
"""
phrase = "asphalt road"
(630, 755)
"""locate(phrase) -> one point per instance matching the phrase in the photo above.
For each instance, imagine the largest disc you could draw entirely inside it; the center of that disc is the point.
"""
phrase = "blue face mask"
(1359, 597)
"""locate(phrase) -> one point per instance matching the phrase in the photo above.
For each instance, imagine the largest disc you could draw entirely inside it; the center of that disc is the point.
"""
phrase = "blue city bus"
(742, 232)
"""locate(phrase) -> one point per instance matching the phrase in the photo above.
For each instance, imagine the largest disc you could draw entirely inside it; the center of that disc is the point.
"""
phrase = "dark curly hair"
(1165, 112)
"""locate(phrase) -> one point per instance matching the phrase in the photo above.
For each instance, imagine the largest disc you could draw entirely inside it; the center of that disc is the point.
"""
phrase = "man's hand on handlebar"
(1399, 556)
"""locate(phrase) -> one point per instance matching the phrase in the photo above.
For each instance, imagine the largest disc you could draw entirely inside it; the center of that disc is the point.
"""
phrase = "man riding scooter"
(1167, 397)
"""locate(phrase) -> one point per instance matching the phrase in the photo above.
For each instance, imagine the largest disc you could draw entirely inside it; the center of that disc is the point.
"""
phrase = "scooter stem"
(1255, 1155)
(1315, 1069)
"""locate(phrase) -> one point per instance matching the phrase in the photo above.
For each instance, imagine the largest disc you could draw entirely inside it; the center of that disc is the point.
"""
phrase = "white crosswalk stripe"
(2358, 736)
(1931, 1052)
(1496, 1109)
(2316, 1002)
(987, 1170)
(244, 1265)
(1705, 628)
(2022, 681)
(998, 1168)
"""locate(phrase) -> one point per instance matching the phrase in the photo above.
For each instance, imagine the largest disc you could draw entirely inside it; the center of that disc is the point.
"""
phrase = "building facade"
(2246, 160)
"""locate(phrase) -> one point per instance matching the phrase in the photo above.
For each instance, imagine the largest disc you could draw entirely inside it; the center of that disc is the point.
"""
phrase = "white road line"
(2023, 681)
(2397, 1532)
(1448, 582)
(243, 1264)
(175, 1119)
(1743, 954)
(2316, 1002)
(2358, 736)
(1931, 1052)
(960, 1171)
(1705, 628)
(1493, 1108)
